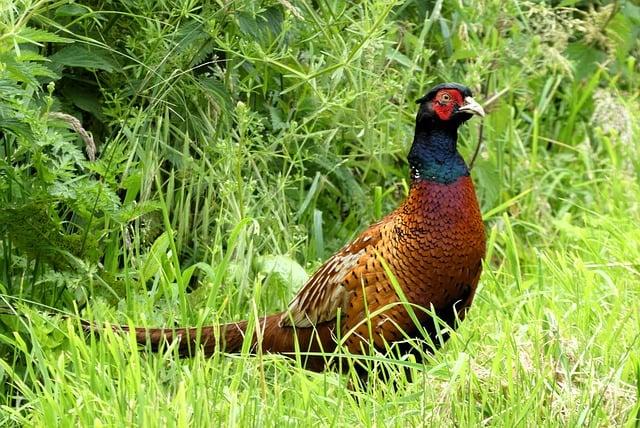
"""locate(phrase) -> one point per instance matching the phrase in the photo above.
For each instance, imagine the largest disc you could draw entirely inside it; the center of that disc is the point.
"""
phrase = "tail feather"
(269, 336)
(226, 337)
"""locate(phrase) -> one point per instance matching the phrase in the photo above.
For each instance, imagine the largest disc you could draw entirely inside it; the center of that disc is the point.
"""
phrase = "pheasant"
(432, 245)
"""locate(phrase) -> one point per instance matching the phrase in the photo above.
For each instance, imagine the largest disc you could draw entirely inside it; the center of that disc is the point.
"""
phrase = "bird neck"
(434, 156)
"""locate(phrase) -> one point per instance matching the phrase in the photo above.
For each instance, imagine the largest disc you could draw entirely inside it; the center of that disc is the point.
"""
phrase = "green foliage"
(239, 142)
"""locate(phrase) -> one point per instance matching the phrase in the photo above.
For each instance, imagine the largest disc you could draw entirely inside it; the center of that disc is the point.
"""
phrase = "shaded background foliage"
(184, 96)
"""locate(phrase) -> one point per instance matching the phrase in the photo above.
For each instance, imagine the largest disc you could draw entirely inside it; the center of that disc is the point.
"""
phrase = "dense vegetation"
(167, 162)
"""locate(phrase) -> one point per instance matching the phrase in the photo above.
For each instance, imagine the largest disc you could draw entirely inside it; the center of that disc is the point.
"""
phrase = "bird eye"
(445, 97)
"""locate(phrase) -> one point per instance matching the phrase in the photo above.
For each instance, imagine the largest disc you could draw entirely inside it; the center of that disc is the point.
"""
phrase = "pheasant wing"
(324, 293)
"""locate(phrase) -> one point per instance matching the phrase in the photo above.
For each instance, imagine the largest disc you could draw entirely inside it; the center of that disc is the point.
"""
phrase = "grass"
(240, 145)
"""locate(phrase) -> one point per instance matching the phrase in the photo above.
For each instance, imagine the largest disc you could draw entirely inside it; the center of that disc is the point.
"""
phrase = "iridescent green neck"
(434, 156)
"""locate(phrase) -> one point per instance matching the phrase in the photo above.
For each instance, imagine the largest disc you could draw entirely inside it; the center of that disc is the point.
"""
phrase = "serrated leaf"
(72, 10)
(39, 70)
(26, 71)
(624, 35)
(85, 57)
(133, 211)
(188, 33)
(248, 24)
(204, 52)
(276, 119)
(29, 55)
(16, 127)
(262, 26)
(271, 19)
(8, 89)
(37, 36)
(217, 89)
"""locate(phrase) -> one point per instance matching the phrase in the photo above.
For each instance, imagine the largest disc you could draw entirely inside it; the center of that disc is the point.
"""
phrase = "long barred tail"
(226, 337)
(268, 335)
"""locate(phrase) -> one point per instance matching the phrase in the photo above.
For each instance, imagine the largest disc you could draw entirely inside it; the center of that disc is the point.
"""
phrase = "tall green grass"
(240, 143)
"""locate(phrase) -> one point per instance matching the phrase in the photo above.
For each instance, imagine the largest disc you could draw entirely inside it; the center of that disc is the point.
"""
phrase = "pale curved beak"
(472, 106)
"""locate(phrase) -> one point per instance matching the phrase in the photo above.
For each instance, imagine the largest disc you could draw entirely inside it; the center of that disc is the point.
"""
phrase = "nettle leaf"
(271, 19)
(248, 24)
(262, 26)
(84, 56)
(39, 70)
(25, 71)
(276, 119)
(188, 34)
(216, 89)
(133, 210)
(37, 36)
(29, 55)
(16, 127)
(624, 35)
(72, 10)
(203, 53)
(8, 88)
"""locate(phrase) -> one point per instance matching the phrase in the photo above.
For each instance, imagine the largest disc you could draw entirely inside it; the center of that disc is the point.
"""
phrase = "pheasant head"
(448, 104)
(434, 155)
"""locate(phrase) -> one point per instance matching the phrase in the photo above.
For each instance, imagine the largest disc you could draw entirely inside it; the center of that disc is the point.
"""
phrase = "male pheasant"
(433, 244)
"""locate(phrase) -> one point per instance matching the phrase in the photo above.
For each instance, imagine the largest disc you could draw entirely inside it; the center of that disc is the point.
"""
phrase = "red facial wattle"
(446, 101)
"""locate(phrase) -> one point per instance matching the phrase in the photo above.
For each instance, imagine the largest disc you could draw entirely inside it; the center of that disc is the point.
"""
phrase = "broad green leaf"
(585, 59)
(155, 257)
(83, 56)
(285, 268)
(83, 96)
(72, 10)
(400, 58)
(37, 36)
